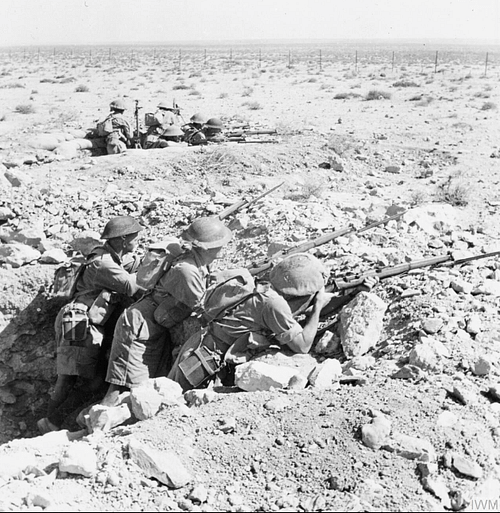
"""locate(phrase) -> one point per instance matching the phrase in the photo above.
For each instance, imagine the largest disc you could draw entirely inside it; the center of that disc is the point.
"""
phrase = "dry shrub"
(252, 105)
(489, 106)
(405, 83)
(453, 192)
(194, 92)
(177, 87)
(340, 144)
(247, 91)
(25, 108)
(375, 94)
(81, 89)
(346, 96)
(223, 96)
(426, 100)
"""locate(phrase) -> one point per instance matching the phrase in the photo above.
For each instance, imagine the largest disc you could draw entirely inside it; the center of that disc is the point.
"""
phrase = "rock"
(376, 434)
(447, 419)
(361, 363)
(278, 404)
(463, 394)
(253, 376)
(298, 382)
(494, 391)
(467, 467)
(17, 178)
(53, 256)
(409, 372)
(17, 255)
(459, 285)
(393, 169)
(145, 401)
(198, 494)
(199, 397)
(164, 466)
(169, 390)
(411, 447)
(488, 287)
(432, 325)
(6, 213)
(428, 354)
(41, 499)
(328, 344)
(482, 366)
(437, 486)
(325, 374)
(473, 324)
(104, 418)
(79, 458)
(361, 323)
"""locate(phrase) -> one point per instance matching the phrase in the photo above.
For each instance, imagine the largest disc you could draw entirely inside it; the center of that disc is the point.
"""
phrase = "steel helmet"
(164, 105)
(214, 123)
(117, 105)
(198, 118)
(207, 233)
(172, 131)
(120, 226)
(300, 276)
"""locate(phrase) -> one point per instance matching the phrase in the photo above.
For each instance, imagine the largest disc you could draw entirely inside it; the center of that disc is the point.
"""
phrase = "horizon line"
(212, 42)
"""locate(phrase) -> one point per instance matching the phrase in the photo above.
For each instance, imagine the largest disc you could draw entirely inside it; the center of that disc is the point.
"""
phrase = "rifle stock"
(323, 239)
(243, 203)
(243, 133)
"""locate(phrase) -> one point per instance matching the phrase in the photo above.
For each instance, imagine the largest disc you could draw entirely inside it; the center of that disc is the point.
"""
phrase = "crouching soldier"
(119, 133)
(193, 133)
(141, 344)
(84, 327)
(267, 316)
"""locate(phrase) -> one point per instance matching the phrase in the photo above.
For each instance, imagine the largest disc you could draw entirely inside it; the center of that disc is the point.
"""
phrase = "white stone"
(325, 374)
(79, 458)
(253, 376)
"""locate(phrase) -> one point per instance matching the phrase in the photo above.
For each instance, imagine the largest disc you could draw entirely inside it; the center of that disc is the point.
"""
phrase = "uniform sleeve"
(185, 283)
(279, 319)
(109, 275)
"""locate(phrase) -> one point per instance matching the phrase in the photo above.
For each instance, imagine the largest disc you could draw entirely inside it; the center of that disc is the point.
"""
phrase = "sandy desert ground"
(361, 132)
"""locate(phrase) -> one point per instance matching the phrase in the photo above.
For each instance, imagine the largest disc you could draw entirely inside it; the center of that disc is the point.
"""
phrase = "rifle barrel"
(235, 207)
(390, 271)
(319, 241)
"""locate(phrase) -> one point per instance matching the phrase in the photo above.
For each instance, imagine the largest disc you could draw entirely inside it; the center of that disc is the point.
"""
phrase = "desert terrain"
(363, 131)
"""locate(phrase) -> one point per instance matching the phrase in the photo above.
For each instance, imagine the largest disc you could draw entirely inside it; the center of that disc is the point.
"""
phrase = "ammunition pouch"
(171, 312)
(202, 364)
(75, 322)
(102, 307)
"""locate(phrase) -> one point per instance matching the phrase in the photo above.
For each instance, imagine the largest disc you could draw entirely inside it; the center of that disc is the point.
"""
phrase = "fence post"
(436, 62)
(289, 58)
(180, 60)
(486, 65)
(392, 62)
(320, 66)
(260, 57)
(205, 59)
(109, 55)
(356, 62)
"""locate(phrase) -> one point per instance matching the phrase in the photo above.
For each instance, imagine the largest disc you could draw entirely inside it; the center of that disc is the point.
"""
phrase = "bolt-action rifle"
(244, 203)
(137, 136)
(351, 281)
(323, 239)
(244, 133)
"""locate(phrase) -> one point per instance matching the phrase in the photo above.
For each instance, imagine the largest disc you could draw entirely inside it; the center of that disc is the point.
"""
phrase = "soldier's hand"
(322, 298)
(369, 283)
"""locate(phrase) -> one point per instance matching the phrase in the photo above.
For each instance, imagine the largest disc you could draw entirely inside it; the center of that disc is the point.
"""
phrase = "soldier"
(120, 136)
(193, 133)
(163, 118)
(141, 344)
(171, 136)
(213, 131)
(84, 327)
(264, 318)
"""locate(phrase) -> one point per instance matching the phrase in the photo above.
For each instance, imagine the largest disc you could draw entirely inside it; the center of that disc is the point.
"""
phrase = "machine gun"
(248, 136)
(244, 203)
(323, 239)
(352, 281)
(136, 140)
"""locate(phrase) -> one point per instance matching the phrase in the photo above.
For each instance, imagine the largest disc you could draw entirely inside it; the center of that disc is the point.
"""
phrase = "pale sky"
(46, 22)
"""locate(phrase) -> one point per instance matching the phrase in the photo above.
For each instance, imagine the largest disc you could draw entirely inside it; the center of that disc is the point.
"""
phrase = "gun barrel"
(319, 241)
(235, 207)
(242, 133)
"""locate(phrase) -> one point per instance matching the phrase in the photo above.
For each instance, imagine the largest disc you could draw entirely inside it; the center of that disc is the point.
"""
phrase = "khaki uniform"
(163, 119)
(105, 272)
(141, 346)
(116, 142)
(266, 315)
(194, 136)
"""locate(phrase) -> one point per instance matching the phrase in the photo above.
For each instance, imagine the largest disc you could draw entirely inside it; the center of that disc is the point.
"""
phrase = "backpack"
(105, 127)
(66, 277)
(228, 289)
(157, 261)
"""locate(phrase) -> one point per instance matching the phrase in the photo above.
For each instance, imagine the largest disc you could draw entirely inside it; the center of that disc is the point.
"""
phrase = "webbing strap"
(203, 361)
